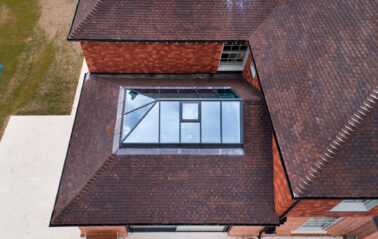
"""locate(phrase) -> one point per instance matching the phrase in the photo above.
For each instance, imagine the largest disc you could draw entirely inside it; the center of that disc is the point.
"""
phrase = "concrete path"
(32, 153)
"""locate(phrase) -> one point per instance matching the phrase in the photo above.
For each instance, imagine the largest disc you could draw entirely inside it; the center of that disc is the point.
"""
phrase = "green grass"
(40, 74)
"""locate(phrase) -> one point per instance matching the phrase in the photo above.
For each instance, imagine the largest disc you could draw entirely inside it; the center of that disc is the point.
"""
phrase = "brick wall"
(361, 227)
(153, 57)
(245, 230)
(282, 196)
(290, 225)
(354, 226)
(247, 73)
(320, 208)
(122, 231)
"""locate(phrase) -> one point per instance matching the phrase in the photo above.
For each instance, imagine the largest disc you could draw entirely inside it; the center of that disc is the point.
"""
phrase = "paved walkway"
(32, 153)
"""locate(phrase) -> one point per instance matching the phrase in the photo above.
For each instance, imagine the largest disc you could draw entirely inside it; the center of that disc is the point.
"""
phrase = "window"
(253, 70)
(355, 206)
(317, 225)
(174, 117)
(189, 228)
(234, 56)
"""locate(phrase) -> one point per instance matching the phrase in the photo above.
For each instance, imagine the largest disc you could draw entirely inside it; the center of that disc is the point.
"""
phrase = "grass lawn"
(41, 68)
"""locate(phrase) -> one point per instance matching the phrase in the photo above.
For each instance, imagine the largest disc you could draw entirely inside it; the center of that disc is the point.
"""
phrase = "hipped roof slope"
(318, 68)
(101, 187)
(168, 19)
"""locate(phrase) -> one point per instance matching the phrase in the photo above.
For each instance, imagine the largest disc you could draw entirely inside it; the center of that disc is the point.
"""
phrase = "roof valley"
(336, 144)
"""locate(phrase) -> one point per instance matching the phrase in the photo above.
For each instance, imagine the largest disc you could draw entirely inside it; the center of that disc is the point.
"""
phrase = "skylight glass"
(210, 119)
(190, 111)
(169, 122)
(147, 131)
(136, 99)
(230, 121)
(131, 119)
(179, 116)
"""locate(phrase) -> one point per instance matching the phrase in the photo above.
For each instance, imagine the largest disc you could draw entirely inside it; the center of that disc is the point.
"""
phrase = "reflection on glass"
(206, 93)
(187, 93)
(132, 118)
(190, 132)
(190, 111)
(168, 93)
(226, 93)
(135, 100)
(210, 119)
(169, 121)
(231, 122)
(147, 130)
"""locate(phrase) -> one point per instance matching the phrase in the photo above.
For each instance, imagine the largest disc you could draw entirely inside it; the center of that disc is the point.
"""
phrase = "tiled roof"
(98, 187)
(168, 19)
(318, 68)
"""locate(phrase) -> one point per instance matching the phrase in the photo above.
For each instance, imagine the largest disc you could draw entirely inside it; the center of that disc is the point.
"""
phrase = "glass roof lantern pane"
(147, 130)
(226, 93)
(231, 122)
(190, 132)
(210, 119)
(206, 93)
(135, 99)
(132, 118)
(187, 93)
(149, 92)
(169, 121)
(168, 93)
(190, 111)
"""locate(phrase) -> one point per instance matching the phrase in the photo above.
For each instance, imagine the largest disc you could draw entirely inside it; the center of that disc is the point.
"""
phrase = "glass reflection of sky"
(189, 111)
(132, 118)
(147, 130)
(169, 121)
(218, 122)
(190, 132)
(231, 122)
(210, 119)
(135, 100)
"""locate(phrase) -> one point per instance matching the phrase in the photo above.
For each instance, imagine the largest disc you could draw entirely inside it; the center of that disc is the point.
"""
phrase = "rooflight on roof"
(179, 116)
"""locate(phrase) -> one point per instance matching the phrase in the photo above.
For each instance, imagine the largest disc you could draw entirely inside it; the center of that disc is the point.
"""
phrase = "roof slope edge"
(90, 13)
(58, 217)
(330, 151)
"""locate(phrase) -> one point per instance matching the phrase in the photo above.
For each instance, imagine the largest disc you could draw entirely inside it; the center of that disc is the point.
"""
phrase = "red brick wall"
(282, 196)
(351, 226)
(354, 226)
(153, 57)
(245, 230)
(247, 73)
(290, 225)
(320, 208)
(122, 231)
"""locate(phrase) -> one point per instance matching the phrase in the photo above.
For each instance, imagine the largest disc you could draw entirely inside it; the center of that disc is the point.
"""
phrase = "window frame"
(252, 70)
(304, 228)
(198, 100)
(169, 228)
(362, 205)
(233, 65)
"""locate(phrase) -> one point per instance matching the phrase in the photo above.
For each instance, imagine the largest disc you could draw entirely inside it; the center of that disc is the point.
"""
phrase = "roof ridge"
(96, 5)
(59, 217)
(336, 144)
